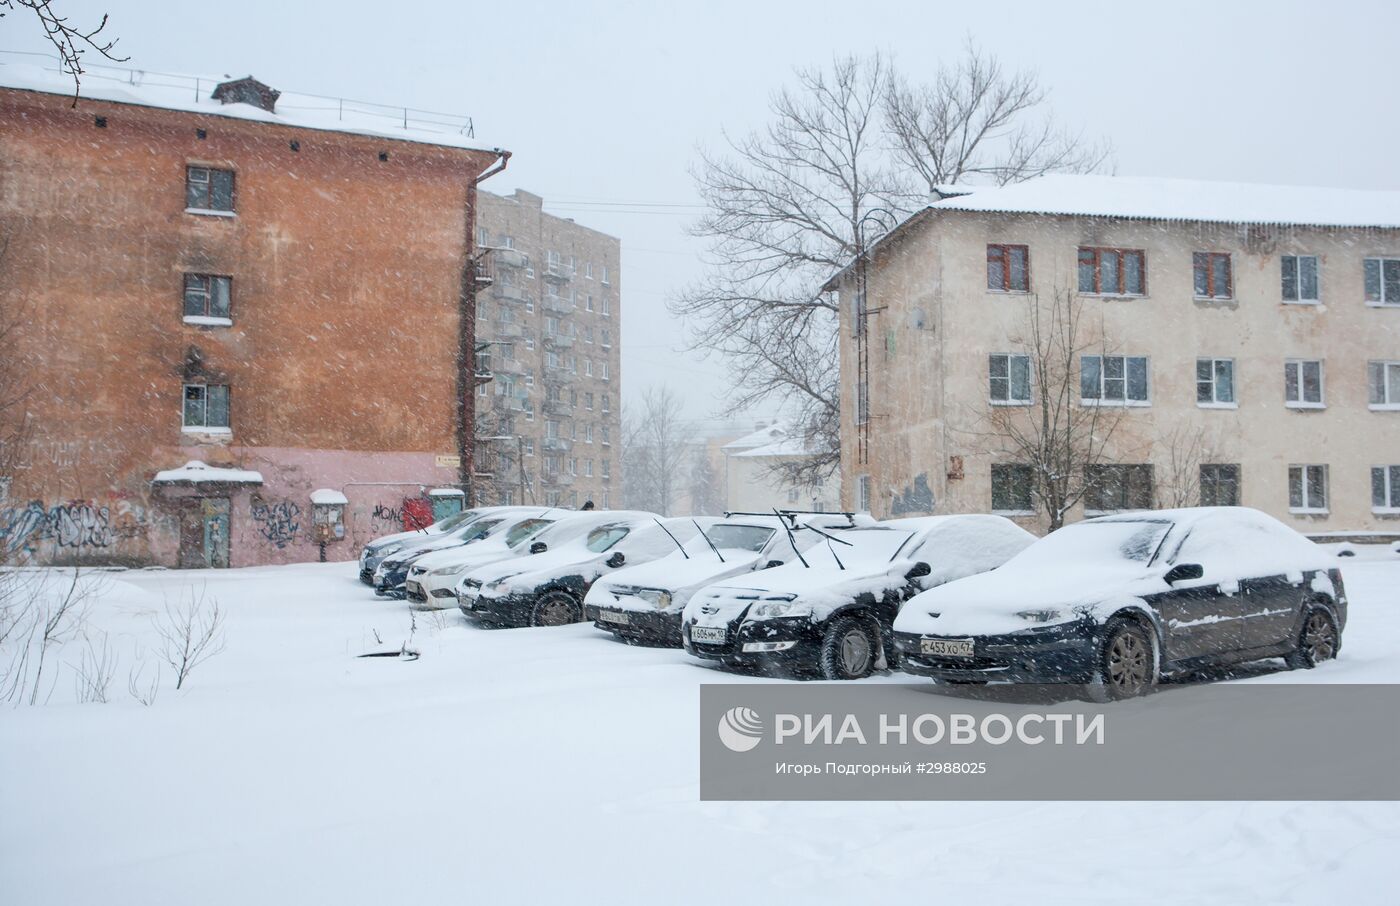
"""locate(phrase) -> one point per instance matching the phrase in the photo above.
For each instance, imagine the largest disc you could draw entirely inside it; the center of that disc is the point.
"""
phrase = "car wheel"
(1127, 664)
(848, 649)
(1317, 642)
(555, 608)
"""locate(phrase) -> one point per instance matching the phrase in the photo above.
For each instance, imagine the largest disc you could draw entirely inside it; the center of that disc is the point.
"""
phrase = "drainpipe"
(466, 339)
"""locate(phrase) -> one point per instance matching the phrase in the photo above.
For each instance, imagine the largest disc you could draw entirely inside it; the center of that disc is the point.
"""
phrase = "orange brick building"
(283, 295)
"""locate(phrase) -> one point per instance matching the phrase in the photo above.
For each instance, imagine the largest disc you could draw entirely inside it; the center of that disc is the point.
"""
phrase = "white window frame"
(1382, 302)
(1298, 279)
(1387, 403)
(1308, 507)
(1015, 512)
(862, 493)
(1390, 490)
(1030, 378)
(205, 428)
(1100, 400)
(1215, 402)
(1299, 383)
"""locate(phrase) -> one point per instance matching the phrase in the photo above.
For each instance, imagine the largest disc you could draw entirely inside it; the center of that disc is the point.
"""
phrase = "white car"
(644, 603)
(433, 577)
(548, 589)
(833, 608)
(389, 575)
(375, 551)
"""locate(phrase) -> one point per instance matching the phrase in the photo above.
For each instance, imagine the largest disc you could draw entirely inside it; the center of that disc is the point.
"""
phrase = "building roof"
(760, 438)
(193, 94)
(787, 447)
(1161, 199)
(1192, 200)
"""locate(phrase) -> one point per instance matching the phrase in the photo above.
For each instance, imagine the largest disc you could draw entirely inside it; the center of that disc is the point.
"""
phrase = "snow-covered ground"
(558, 765)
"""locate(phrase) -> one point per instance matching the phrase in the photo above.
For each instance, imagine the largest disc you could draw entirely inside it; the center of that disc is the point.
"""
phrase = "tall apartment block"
(549, 368)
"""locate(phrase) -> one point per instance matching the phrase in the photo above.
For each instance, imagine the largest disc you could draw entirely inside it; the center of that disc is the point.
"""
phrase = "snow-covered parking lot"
(558, 765)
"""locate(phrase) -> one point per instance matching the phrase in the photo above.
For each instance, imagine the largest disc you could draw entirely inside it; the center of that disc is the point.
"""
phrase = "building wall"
(581, 300)
(347, 271)
(929, 348)
(753, 486)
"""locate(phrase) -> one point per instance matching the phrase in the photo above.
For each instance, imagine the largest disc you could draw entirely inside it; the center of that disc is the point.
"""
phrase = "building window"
(588, 401)
(607, 467)
(1307, 489)
(588, 302)
(607, 277)
(1382, 281)
(607, 435)
(529, 446)
(1008, 268)
(588, 468)
(1010, 377)
(607, 373)
(483, 237)
(1383, 379)
(607, 403)
(1215, 382)
(1302, 384)
(1012, 490)
(607, 307)
(607, 338)
(207, 296)
(206, 407)
(1300, 279)
(1385, 489)
(1113, 488)
(588, 367)
(1220, 485)
(1112, 272)
(1114, 380)
(863, 494)
(207, 189)
(1212, 275)
(588, 434)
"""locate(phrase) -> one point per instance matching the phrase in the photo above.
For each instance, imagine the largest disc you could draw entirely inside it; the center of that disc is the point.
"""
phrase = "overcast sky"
(603, 104)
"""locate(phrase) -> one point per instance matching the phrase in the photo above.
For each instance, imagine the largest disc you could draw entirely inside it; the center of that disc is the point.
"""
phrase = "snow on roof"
(326, 496)
(191, 93)
(196, 472)
(760, 438)
(1183, 200)
(446, 492)
(788, 446)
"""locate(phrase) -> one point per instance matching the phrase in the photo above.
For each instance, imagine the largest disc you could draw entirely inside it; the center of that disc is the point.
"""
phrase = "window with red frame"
(1212, 275)
(1008, 268)
(1113, 272)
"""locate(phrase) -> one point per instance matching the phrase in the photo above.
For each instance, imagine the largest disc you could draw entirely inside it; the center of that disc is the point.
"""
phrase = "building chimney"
(247, 90)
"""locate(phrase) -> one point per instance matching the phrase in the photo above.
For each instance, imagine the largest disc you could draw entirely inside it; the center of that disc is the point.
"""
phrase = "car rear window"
(524, 529)
(605, 536)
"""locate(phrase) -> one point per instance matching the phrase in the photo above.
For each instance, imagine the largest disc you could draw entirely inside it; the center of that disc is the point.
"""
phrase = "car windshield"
(605, 536)
(864, 546)
(525, 529)
(456, 520)
(1095, 542)
(730, 536)
(478, 529)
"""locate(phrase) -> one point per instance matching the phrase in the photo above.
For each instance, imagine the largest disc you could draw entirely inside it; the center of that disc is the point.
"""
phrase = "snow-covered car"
(1118, 601)
(548, 589)
(375, 551)
(645, 602)
(832, 608)
(392, 570)
(432, 578)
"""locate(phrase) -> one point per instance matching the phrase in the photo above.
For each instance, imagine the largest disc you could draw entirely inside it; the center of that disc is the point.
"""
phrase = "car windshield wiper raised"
(680, 546)
(709, 542)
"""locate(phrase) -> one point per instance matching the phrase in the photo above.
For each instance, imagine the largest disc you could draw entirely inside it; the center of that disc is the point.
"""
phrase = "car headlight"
(655, 597)
(501, 584)
(1045, 615)
(448, 570)
(779, 606)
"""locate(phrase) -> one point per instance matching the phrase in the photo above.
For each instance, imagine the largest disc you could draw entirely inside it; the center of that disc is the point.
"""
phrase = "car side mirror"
(772, 563)
(617, 559)
(918, 571)
(1183, 571)
(538, 547)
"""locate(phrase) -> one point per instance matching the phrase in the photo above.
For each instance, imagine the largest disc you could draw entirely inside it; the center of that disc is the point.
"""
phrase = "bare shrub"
(190, 634)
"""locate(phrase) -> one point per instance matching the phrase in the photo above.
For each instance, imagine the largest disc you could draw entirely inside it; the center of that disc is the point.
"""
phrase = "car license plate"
(707, 634)
(614, 616)
(413, 588)
(467, 601)
(947, 647)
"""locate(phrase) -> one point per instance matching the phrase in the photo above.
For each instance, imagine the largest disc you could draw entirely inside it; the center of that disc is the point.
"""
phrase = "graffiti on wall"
(76, 524)
(278, 522)
(388, 514)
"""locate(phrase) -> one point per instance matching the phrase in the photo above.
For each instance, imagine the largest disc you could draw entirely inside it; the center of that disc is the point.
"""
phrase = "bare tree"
(654, 450)
(976, 120)
(1178, 480)
(71, 42)
(707, 497)
(849, 150)
(190, 634)
(1057, 436)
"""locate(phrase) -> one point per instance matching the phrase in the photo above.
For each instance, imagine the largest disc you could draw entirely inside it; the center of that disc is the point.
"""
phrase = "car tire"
(556, 608)
(1127, 663)
(849, 649)
(1318, 640)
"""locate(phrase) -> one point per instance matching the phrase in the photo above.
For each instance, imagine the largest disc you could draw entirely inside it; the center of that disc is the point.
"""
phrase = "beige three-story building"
(1247, 348)
(549, 369)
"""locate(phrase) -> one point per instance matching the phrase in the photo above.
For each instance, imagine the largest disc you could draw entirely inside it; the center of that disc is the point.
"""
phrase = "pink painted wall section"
(275, 523)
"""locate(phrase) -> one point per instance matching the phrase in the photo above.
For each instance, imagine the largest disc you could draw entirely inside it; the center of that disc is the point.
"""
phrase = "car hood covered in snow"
(672, 573)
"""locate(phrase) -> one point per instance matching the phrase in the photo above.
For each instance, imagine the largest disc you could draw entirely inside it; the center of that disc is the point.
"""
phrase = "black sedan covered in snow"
(830, 609)
(1116, 602)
